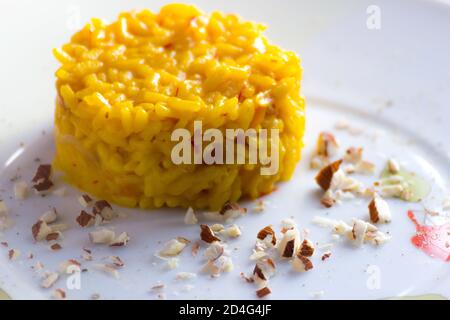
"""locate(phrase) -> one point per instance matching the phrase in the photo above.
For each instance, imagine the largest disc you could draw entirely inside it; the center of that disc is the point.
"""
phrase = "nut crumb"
(49, 280)
(306, 248)
(326, 255)
(263, 292)
(102, 236)
(325, 175)
(267, 232)
(85, 200)
(49, 216)
(108, 269)
(301, 263)
(117, 261)
(13, 254)
(85, 219)
(59, 294)
(393, 166)
(379, 210)
(207, 234)
(121, 240)
(20, 190)
(172, 248)
(55, 247)
(190, 217)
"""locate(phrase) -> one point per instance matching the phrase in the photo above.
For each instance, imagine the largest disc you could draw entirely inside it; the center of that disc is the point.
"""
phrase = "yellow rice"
(124, 87)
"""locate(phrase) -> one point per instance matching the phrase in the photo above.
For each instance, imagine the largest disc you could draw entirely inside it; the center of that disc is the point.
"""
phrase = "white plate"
(392, 83)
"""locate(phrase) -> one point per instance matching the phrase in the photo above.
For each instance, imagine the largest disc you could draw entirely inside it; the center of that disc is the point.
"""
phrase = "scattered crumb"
(13, 254)
(49, 280)
(20, 190)
(190, 217)
(172, 248)
(59, 294)
(326, 255)
(263, 292)
(259, 207)
(108, 269)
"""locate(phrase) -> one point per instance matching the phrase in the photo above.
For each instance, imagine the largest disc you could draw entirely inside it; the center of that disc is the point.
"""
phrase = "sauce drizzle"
(433, 240)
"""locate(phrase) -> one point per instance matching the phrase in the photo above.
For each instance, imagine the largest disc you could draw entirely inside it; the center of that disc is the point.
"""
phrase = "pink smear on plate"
(433, 240)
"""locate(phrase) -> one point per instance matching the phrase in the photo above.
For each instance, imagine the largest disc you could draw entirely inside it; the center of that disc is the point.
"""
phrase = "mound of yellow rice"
(124, 87)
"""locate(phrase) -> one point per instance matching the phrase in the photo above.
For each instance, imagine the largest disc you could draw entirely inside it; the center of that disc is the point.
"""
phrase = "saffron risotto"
(124, 87)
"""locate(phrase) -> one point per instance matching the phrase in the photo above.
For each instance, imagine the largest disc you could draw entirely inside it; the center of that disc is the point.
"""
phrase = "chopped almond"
(247, 279)
(289, 243)
(267, 232)
(263, 292)
(40, 230)
(85, 200)
(38, 266)
(53, 236)
(306, 248)
(392, 190)
(326, 255)
(49, 216)
(103, 208)
(172, 248)
(106, 268)
(257, 255)
(260, 206)
(318, 162)
(121, 240)
(214, 251)
(172, 263)
(60, 227)
(117, 261)
(207, 234)
(232, 206)
(328, 199)
(210, 268)
(217, 227)
(377, 238)
(190, 217)
(327, 144)
(69, 266)
(257, 272)
(49, 280)
(158, 287)
(359, 230)
(85, 219)
(301, 263)
(365, 167)
(185, 276)
(393, 166)
(340, 182)
(233, 232)
(59, 294)
(195, 248)
(263, 271)
(353, 155)
(102, 236)
(379, 210)
(41, 179)
(55, 247)
(183, 240)
(325, 175)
